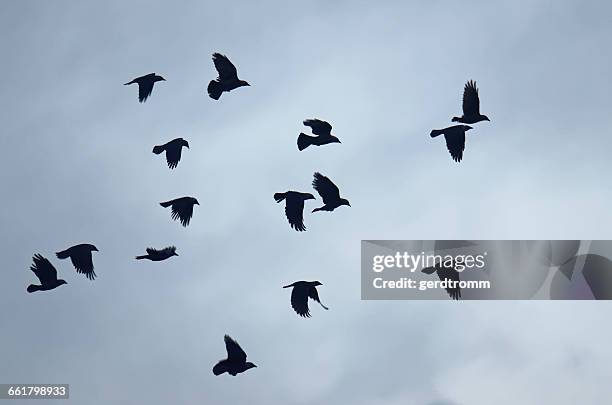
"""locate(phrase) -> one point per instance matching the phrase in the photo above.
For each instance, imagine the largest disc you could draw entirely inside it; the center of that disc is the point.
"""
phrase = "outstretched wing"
(294, 210)
(326, 189)
(227, 70)
(455, 143)
(145, 88)
(182, 209)
(168, 250)
(471, 102)
(152, 251)
(83, 262)
(319, 127)
(43, 269)
(234, 351)
(299, 301)
(448, 273)
(173, 154)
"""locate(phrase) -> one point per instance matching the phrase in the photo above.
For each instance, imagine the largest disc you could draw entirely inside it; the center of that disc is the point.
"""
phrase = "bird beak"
(96, 249)
(349, 204)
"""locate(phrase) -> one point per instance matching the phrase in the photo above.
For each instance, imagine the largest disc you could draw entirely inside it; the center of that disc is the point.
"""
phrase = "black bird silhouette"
(173, 151)
(302, 290)
(80, 255)
(329, 192)
(471, 106)
(182, 208)
(455, 139)
(159, 255)
(446, 273)
(145, 85)
(236, 359)
(294, 207)
(46, 273)
(320, 128)
(228, 77)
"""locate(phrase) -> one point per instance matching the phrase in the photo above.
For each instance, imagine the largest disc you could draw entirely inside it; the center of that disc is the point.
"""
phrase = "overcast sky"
(77, 167)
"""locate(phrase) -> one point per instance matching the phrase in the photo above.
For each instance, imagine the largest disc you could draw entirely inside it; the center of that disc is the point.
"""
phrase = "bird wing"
(43, 269)
(227, 70)
(83, 262)
(152, 251)
(294, 210)
(173, 154)
(182, 209)
(299, 301)
(455, 143)
(234, 351)
(312, 293)
(471, 102)
(145, 88)
(448, 273)
(168, 250)
(326, 189)
(319, 127)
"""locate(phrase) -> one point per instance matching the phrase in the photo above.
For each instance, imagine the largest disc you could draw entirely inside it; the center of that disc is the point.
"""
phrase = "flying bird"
(294, 207)
(320, 128)
(455, 139)
(145, 85)
(302, 290)
(173, 151)
(182, 208)
(471, 106)
(46, 273)
(159, 255)
(329, 192)
(446, 273)
(80, 255)
(236, 359)
(228, 77)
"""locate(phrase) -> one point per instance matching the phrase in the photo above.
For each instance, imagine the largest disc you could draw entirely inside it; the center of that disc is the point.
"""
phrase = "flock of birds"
(182, 208)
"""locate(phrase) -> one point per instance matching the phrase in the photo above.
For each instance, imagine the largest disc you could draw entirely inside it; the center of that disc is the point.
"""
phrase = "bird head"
(93, 248)
(344, 201)
(185, 143)
(60, 282)
(309, 197)
(249, 365)
(466, 127)
(316, 283)
(195, 201)
(335, 140)
(243, 83)
(159, 78)
(484, 117)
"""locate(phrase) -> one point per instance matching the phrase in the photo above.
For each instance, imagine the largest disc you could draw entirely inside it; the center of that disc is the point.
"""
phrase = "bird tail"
(32, 288)
(220, 367)
(158, 149)
(429, 270)
(279, 197)
(455, 119)
(304, 141)
(64, 254)
(166, 204)
(436, 132)
(140, 257)
(214, 89)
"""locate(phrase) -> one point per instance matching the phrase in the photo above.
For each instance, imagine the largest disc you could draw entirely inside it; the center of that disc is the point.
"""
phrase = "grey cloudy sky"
(77, 167)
